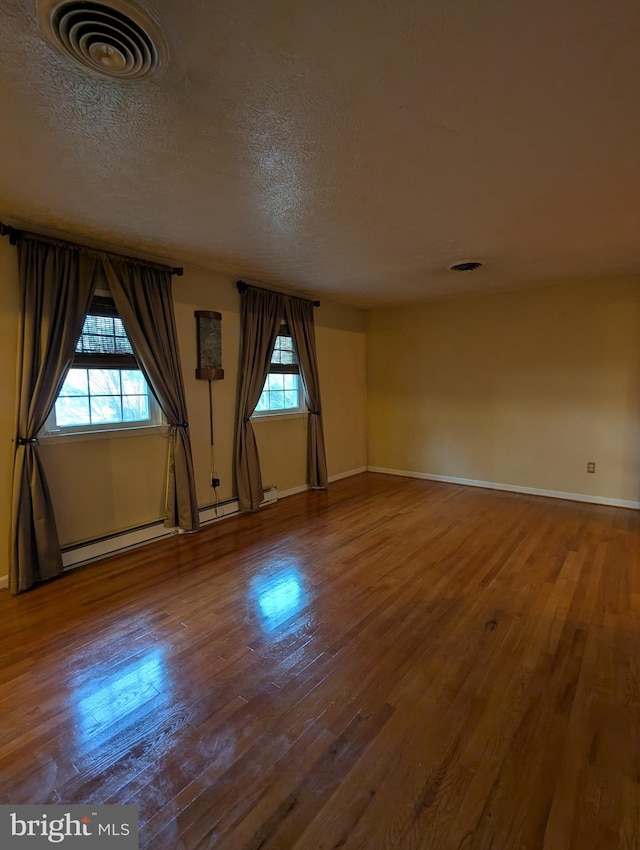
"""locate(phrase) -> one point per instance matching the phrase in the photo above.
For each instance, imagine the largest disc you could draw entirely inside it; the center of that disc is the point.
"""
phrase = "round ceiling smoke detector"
(466, 266)
(115, 39)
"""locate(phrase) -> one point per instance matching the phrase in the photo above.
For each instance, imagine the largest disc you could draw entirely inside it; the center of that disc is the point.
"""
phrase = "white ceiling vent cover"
(116, 39)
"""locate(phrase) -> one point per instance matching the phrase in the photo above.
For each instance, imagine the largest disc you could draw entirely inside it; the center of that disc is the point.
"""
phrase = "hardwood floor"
(395, 664)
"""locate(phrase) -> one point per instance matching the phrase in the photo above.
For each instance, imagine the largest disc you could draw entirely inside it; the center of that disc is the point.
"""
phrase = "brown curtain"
(56, 284)
(299, 316)
(261, 312)
(142, 296)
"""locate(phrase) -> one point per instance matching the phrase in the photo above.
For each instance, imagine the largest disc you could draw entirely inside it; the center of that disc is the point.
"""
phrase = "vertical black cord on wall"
(211, 421)
(215, 482)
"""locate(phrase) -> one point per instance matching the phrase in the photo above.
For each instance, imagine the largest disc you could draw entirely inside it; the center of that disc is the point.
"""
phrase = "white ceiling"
(351, 148)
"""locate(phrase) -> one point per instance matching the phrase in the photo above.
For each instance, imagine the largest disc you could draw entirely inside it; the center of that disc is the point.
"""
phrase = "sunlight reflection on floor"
(115, 699)
(279, 594)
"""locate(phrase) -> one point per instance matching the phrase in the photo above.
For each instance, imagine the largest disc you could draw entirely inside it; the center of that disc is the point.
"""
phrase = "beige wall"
(282, 441)
(103, 485)
(341, 343)
(518, 388)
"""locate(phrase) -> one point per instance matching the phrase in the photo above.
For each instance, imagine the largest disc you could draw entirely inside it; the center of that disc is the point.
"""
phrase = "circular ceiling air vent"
(115, 39)
(466, 266)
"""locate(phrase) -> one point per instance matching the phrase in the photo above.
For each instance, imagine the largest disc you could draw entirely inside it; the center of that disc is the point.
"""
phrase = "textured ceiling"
(345, 147)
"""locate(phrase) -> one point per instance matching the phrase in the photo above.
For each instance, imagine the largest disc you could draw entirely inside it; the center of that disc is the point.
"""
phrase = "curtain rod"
(15, 234)
(242, 286)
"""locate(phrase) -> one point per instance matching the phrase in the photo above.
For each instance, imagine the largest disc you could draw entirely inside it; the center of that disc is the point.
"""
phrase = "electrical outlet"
(215, 482)
(591, 466)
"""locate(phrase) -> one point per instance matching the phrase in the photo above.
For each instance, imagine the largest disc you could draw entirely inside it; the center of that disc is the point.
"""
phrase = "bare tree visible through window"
(104, 388)
(102, 396)
(281, 391)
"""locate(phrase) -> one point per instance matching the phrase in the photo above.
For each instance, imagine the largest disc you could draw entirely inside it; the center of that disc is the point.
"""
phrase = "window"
(282, 391)
(104, 389)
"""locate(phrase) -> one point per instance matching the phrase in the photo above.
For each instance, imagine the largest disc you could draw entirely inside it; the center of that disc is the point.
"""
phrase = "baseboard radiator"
(270, 496)
(93, 550)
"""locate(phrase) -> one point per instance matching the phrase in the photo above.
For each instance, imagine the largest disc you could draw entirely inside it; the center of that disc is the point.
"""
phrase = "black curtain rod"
(14, 235)
(242, 286)
(5, 230)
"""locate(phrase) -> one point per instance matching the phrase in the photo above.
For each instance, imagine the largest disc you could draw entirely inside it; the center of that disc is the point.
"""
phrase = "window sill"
(103, 434)
(295, 414)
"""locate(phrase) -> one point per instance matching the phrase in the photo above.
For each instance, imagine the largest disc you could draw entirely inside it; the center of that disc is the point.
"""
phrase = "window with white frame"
(282, 391)
(105, 388)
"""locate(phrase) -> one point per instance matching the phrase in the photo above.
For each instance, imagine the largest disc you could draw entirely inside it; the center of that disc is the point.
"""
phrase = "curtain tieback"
(246, 419)
(25, 441)
(315, 413)
(181, 425)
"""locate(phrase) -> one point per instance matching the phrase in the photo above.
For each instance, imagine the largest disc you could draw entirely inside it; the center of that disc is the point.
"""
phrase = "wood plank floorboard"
(395, 663)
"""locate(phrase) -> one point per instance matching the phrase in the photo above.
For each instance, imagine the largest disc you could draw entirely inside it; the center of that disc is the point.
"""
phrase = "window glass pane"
(118, 328)
(94, 331)
(72, 411)
(285, 357)
(103, 335)
(276, 400)
(279, 399)
(104, 381)
(133, 382)
(275, 382)
(97, 397)
(75, 383)
(135, 408)
(283, 351)
(263, 401)
(122, 344)
(105, 409)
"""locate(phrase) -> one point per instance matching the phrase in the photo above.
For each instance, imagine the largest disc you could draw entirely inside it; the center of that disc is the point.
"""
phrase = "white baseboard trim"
(86, 553)
(347, 474)
(512, 488)
(304, 487)
(293, 491)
